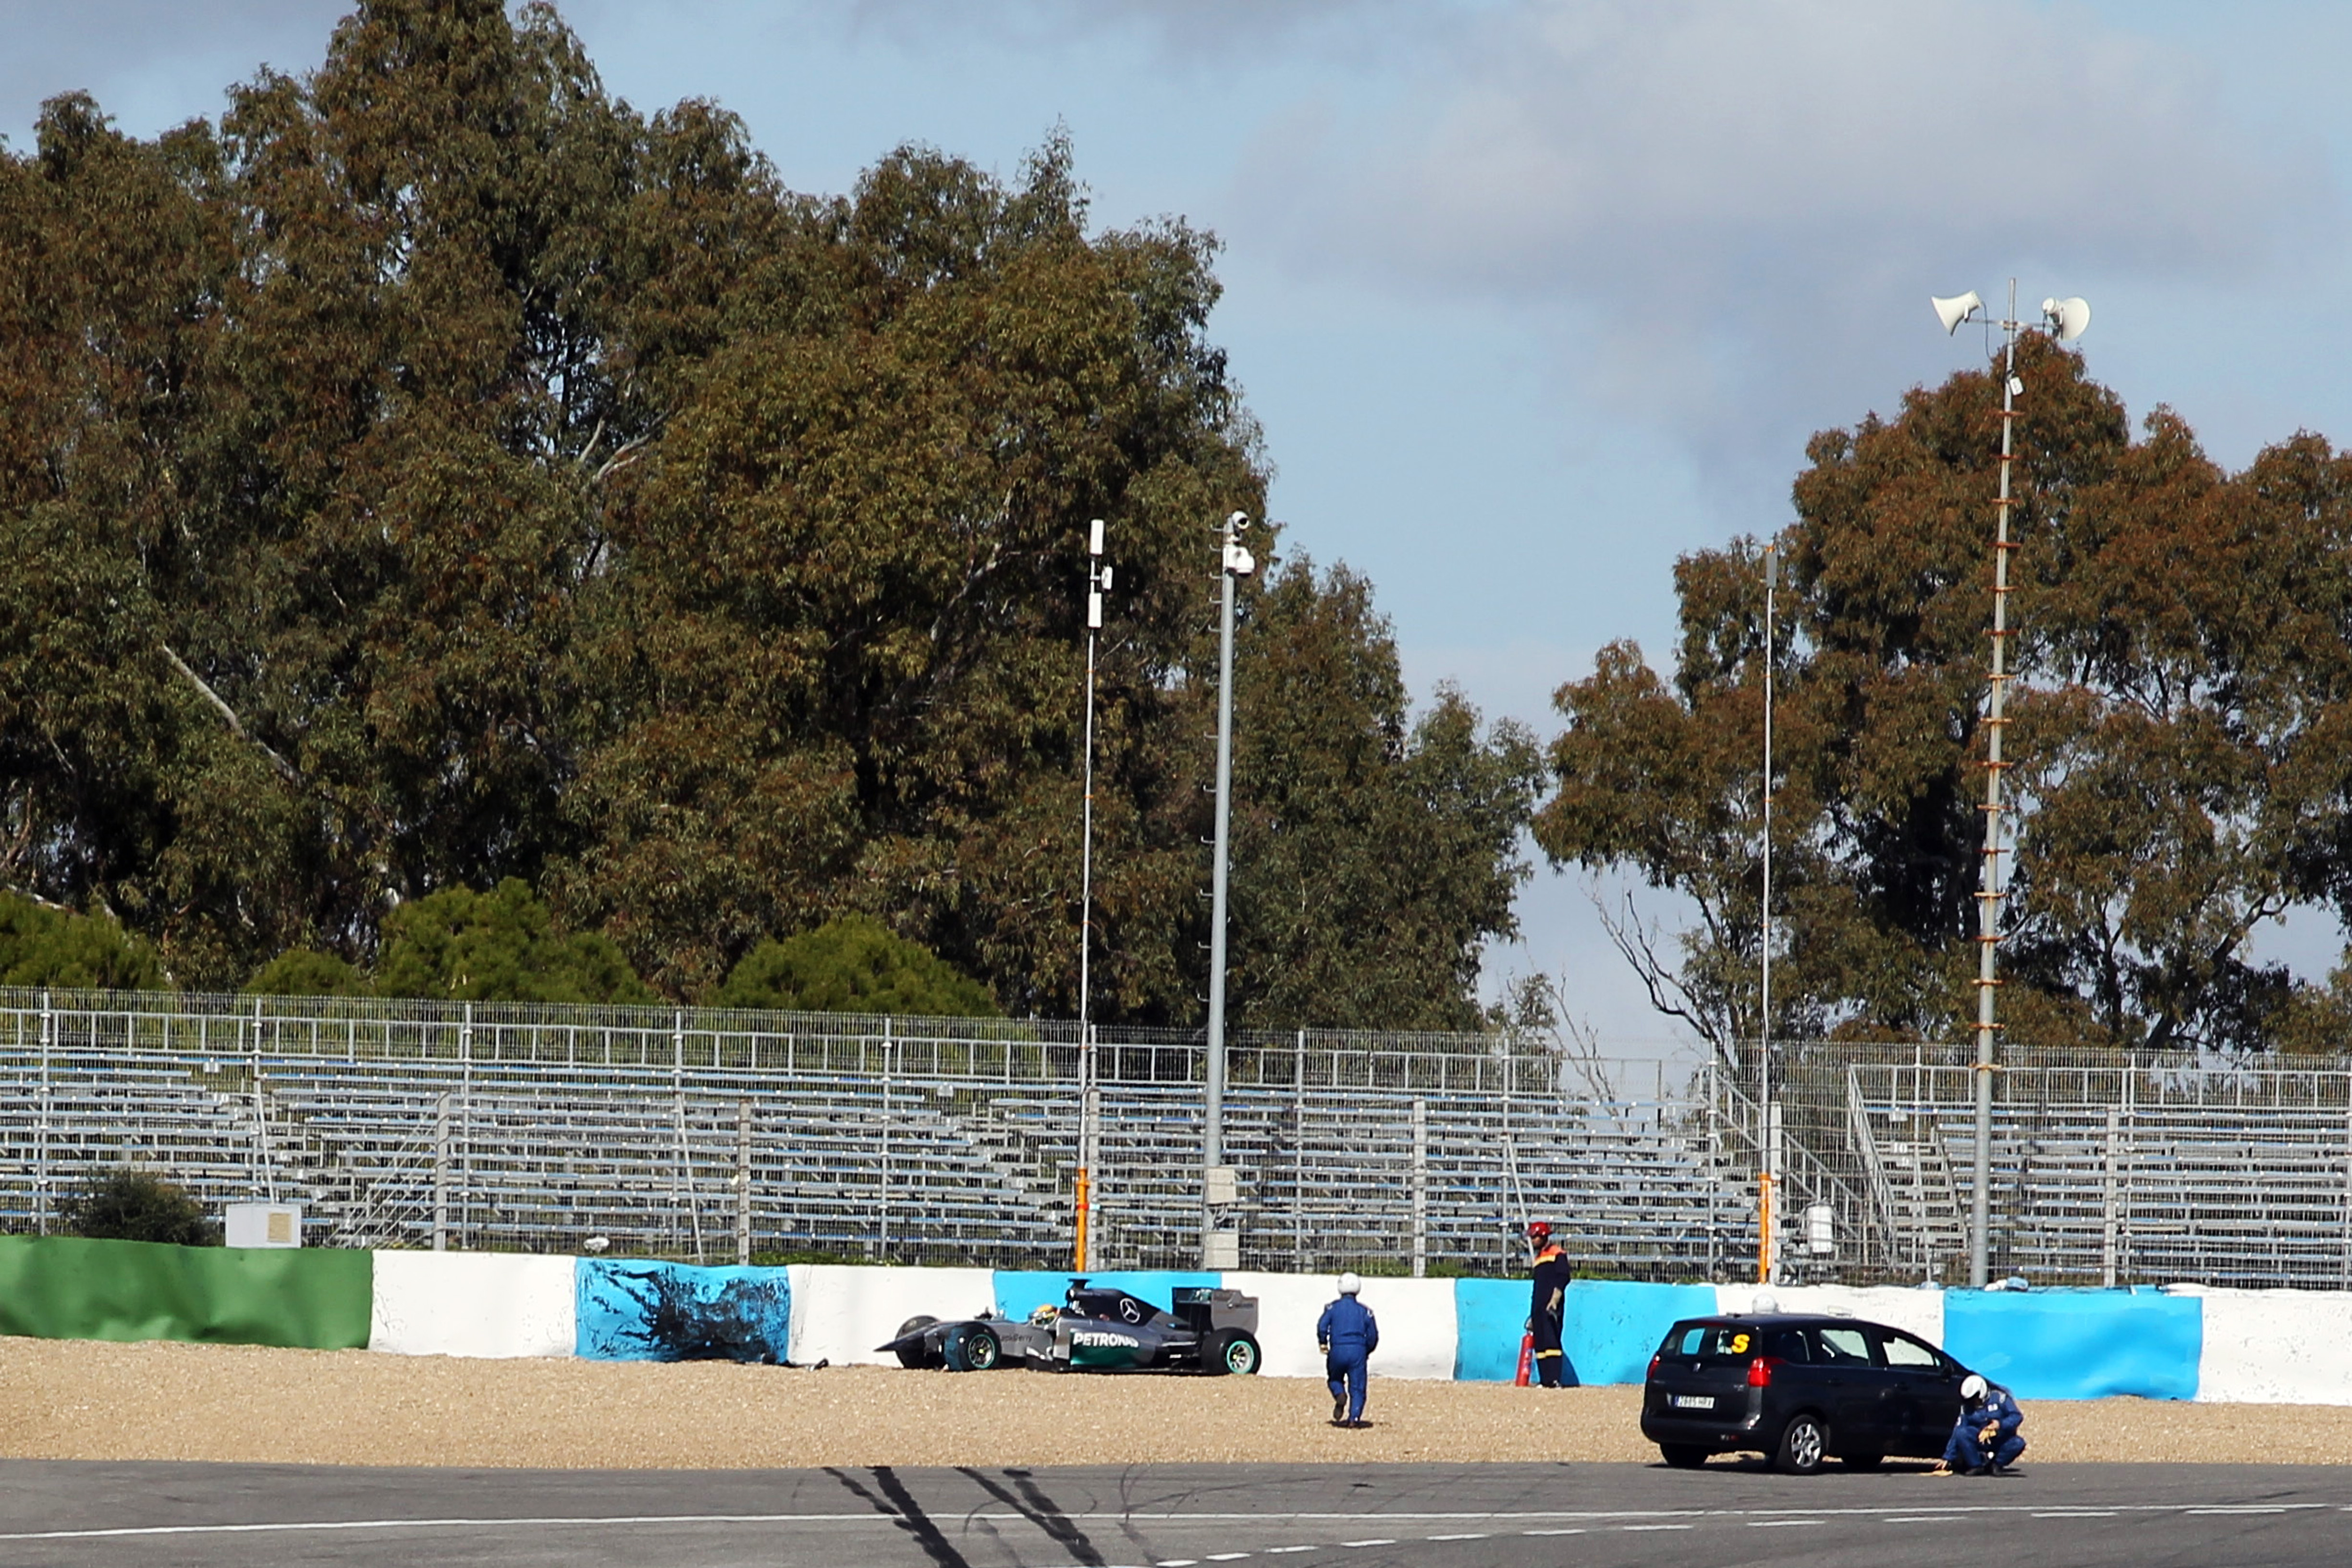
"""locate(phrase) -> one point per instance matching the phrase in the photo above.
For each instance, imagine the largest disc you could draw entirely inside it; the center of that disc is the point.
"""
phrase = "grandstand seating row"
(559, 1133)
(546, 1153)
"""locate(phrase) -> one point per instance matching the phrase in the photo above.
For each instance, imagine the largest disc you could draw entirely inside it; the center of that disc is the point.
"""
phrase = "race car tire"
(1230, 1351)
(1863, 1462)
(916, 1356)
(973, 1349)
(1684, 1456)
(1803, 1441)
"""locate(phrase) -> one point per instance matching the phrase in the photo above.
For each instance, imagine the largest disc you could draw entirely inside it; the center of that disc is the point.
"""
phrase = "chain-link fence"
(715, 1135)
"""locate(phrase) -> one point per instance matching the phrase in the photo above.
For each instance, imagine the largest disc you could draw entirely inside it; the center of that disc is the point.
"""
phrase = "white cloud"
(1196, 29)
(1736, 201)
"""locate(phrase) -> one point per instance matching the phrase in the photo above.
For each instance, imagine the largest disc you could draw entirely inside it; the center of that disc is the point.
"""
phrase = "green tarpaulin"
(63, 1288)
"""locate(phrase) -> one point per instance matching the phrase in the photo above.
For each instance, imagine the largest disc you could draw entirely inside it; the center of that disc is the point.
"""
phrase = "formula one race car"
(1097, 1329)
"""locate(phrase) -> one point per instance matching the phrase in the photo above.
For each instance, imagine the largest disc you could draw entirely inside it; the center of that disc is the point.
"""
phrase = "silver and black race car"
(1097, 1329)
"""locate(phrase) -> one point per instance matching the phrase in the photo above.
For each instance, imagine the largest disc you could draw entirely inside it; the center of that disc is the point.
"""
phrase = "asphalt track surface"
(96, 1515)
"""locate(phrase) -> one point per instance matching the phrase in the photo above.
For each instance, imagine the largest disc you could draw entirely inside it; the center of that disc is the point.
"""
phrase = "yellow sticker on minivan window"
(1738, 1344)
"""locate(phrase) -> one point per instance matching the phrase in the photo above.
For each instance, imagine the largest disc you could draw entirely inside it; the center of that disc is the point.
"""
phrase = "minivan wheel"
(1683, 1455)
(1803, 1441)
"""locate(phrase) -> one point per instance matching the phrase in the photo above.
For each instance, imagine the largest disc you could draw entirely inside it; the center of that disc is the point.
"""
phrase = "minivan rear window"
(1724, 1342)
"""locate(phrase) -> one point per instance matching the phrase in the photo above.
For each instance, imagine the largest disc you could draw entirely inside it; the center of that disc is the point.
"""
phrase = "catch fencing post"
(883, 1248)
(1420, 1187)
(466, 1118)
(1714, 1169)
(41, 1129)
(441, 1175)
(742, 1184)
(2115, 1134)
(685, 1148)
(1298, 1158)
(265, 1175)
(2345, 1275)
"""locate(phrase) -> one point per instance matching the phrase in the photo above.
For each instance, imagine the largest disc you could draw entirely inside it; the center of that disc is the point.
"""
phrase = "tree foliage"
(307, 972)
(1372, 851)
(2177, 734)
(854, 965)
(439, 473)
(458, 945)
(45, 946)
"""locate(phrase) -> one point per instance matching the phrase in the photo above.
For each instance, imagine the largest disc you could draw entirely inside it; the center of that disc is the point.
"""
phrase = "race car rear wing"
(1203, 1307)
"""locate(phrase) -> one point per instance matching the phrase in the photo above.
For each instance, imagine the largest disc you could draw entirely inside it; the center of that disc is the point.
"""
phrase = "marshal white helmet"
(1350, 1285)
(1972, 1388)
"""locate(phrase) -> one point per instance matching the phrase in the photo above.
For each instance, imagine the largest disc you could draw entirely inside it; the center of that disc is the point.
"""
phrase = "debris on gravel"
(86, 1400)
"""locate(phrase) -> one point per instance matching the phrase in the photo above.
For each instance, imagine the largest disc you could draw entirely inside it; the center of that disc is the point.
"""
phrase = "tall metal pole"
(1098, 579)
(1990, 890)
(1766, 1251)
(1236, 562)
(1082, 1196)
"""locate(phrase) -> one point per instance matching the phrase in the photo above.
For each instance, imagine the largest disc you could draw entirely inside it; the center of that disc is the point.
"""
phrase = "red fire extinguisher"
(1526, 1355)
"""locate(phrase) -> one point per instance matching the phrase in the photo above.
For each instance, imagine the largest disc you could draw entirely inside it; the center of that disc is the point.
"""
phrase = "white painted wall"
(2275, 1347)
(841, 1312)
(473, 1304)
(1415, 1316)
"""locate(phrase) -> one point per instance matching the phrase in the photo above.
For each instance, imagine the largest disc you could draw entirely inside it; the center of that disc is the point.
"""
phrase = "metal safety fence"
(716, 1135)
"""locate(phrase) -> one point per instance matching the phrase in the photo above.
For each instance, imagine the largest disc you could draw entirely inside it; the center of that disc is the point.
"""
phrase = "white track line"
(333, 1524)
(1618, 1517)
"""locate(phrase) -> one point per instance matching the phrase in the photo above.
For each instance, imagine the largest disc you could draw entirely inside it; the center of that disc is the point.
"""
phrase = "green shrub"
(43, 945)
(459, 945)
(855, 965)
(128, 1204)
(305, 971)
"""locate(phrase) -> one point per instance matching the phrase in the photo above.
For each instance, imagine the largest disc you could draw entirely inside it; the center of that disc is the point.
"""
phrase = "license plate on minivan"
(1694, 1401)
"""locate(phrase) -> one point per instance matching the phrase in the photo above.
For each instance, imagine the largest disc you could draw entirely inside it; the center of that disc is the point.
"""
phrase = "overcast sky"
(1533, 295)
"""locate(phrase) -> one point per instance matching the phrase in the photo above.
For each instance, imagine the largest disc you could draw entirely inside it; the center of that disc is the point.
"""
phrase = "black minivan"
(1798, 1389)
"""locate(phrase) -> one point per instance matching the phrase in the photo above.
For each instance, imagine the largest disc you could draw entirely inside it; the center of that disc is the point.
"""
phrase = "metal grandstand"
(714, 1134)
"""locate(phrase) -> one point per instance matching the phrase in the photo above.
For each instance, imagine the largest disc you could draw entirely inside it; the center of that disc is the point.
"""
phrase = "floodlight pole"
(1767, 1254)
(1098, 578)
(2068, 319)
(1234, 563)
(1989, 892)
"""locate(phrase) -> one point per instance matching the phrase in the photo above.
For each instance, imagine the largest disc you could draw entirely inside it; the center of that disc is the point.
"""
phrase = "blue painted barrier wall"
(2078, 1344)
(1489, 1318)
(1608, 1328)
(632, 1310)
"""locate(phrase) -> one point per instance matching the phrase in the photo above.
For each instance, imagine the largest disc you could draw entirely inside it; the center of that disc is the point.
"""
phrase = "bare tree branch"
(286, 770)
(1668, 993)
